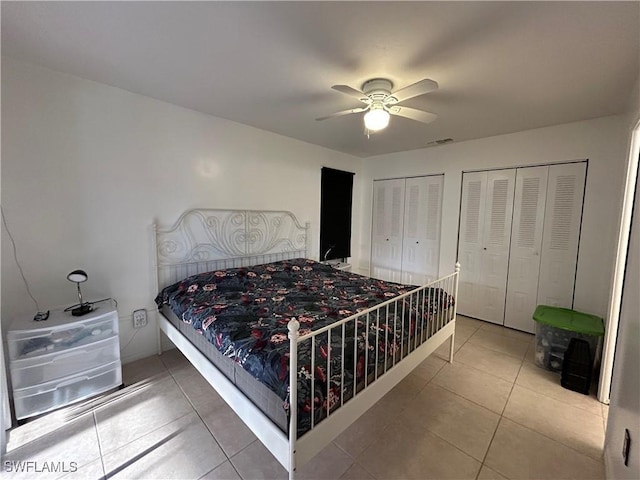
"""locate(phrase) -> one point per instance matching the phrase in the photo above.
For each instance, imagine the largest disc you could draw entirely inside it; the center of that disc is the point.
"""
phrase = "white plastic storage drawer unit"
(63, 359)
(48, 396)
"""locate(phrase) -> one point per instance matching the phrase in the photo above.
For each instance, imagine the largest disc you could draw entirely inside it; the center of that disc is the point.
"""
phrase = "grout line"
(364, 467)
(437, 372)
(455, 350)
(495, 349)
(501, 415)
(218, 466)
(484, 458)
(146, 433)
(513, 385)
(453, 445)
(550, 397)
(354, 458)
(114, 400)
(555, 440)
(245, 447)
(601, 459)
(171, 373)
(486, 454)
(193, 407)
(467, 365)
(501, 352)
(348, 454)
(533, 430)
(571, 404)
(234, 468)
(467, 399)
(444, 439)
(589, 412)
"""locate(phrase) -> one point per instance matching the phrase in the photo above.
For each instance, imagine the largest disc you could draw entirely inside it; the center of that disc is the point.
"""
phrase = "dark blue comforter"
(244, 312)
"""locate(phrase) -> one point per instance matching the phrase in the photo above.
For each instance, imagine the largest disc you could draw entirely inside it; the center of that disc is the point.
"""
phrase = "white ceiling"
(502, 66)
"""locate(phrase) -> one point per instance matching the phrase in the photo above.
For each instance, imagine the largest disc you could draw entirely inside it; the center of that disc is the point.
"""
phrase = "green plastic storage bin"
(556, 326)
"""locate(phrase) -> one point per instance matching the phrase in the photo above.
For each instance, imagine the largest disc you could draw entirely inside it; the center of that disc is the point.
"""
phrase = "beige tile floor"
(492, 414)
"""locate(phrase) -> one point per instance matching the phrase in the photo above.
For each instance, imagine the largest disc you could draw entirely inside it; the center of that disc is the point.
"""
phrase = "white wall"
(88, 168)
(624, 410)
(602, 141)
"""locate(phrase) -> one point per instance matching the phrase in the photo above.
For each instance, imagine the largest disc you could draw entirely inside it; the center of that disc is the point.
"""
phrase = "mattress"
(264, 398)
(243, 314)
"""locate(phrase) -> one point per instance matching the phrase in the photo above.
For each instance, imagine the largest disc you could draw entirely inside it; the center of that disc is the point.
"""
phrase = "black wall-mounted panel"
(336, 195)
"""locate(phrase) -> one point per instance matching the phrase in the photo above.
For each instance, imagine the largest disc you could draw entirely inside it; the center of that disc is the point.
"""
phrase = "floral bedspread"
(244, 313)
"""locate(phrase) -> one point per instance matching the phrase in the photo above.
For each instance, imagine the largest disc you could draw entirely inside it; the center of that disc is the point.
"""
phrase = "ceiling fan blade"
(415, 89)
(413, 114)
(345, 112)
(352, 92)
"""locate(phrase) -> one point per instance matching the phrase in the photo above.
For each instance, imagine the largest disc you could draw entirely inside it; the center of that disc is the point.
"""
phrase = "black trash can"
(577, 367)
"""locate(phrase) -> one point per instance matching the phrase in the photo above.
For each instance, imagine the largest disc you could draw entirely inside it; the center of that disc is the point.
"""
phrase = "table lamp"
(82, 308)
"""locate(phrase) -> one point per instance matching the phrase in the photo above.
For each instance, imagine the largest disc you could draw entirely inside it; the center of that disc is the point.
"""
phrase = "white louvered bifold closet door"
(526, 245)
(421, 240)
(563, 217)
(483, 249)
(386, 239)
(474, 190)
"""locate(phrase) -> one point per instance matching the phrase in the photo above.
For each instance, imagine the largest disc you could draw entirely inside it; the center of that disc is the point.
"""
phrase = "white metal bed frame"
(210, 239)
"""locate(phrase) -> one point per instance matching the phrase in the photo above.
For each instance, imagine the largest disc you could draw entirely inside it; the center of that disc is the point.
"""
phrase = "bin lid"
(567, 319)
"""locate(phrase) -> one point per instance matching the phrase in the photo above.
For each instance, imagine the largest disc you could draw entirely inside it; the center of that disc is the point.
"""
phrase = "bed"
(239, 297)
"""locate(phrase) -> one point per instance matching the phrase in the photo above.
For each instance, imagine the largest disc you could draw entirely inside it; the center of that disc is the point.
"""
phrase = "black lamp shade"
(82, 308)
(77, 276)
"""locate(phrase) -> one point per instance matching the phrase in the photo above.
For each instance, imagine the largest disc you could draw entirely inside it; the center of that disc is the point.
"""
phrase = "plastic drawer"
(45, 368)
(33, 343)
(48, 396)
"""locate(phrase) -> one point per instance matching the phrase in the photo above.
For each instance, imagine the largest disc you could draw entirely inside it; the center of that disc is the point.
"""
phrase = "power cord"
(115, 303)
(15, 256)
(39, 316)
(122, 349)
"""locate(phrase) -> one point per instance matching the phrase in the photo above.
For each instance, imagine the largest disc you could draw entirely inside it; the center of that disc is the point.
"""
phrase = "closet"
(518, 241)
(483, 245)
(405, 240)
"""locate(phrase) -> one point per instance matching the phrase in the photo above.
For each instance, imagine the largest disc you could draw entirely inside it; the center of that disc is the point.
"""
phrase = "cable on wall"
(15, 256)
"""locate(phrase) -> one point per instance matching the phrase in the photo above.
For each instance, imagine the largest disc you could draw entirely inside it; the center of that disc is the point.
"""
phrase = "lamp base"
(82, 310)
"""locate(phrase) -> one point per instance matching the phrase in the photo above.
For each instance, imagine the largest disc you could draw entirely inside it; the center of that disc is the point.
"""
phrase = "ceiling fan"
(381, 102)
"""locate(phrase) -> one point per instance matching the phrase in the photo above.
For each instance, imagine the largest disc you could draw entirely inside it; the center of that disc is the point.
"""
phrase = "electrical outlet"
(139, 318)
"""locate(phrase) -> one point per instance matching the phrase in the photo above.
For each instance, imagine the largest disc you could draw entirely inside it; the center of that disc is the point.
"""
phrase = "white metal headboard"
(210, 239)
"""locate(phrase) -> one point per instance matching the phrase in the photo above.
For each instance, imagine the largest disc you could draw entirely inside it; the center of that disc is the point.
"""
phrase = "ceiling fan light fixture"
(377, 118)
(380, 102)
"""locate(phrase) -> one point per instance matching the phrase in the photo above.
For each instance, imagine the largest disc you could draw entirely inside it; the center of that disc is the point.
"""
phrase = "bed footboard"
(349, 365)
